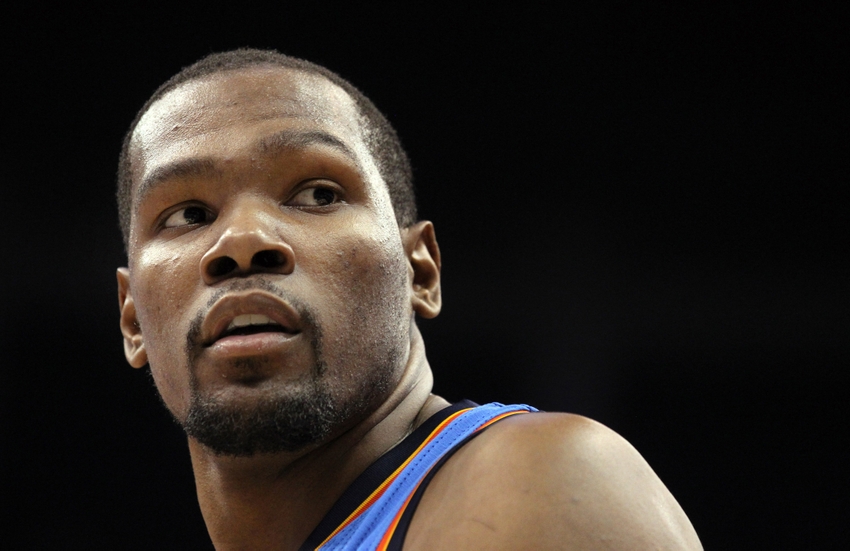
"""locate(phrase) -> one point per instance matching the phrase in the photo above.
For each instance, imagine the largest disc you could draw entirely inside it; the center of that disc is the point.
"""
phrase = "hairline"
(165, 91)
(362, 122)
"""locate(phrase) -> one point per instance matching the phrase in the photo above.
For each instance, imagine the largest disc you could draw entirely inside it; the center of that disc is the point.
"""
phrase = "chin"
(262, 421)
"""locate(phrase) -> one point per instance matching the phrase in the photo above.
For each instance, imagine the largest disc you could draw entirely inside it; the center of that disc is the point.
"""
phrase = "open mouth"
(249, 319)
(251, 324)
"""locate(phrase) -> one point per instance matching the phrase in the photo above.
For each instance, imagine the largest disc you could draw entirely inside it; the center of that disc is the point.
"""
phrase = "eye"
(314, 197)
(187, 216)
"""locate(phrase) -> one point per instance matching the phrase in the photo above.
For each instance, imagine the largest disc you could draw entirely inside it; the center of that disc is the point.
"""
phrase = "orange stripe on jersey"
(388, 535)
(379, 491)
(499, 418)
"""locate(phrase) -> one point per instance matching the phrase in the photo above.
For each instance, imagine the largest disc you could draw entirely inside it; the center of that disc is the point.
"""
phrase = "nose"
(248, 244)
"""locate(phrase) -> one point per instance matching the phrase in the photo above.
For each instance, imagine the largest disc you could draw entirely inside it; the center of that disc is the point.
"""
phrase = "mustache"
(308, 318)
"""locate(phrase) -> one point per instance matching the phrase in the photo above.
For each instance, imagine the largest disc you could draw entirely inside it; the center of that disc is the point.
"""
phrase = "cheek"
(365, 304)
(160, 284)
(364, 269)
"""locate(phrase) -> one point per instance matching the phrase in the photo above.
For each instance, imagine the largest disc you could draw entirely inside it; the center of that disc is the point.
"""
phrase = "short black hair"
(381, 138)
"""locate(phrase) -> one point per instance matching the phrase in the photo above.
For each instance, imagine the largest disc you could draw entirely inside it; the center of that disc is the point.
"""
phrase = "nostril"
(221, 266)
(268, 259)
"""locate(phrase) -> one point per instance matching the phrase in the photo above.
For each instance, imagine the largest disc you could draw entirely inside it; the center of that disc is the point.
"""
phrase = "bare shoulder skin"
(549, 481)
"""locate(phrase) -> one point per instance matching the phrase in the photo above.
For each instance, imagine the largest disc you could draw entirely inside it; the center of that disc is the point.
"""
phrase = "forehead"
(222, 112)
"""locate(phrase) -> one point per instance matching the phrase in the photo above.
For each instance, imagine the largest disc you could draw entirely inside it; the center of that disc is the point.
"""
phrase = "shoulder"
(548, 481)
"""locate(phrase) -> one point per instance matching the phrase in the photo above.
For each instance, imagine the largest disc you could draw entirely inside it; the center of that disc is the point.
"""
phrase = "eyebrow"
(177, 169)
(285, 140)
(297, 139)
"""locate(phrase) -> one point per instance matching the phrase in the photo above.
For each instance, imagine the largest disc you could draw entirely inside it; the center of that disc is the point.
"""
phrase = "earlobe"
(423, 256)
(134, 343)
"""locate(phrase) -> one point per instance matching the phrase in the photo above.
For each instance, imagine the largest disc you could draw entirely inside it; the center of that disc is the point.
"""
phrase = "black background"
(641, 212)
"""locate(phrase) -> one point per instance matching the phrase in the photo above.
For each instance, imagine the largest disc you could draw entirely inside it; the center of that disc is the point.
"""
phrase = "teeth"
(250, 319)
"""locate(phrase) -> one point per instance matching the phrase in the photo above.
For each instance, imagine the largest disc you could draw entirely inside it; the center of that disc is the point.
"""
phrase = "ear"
(423, 256)
(134, 343)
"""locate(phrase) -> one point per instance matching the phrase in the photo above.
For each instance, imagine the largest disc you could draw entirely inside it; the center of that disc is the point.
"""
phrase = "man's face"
(269, 283)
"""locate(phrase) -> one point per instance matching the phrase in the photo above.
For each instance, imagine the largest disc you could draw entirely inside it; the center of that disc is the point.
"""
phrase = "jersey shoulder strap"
(375, 510)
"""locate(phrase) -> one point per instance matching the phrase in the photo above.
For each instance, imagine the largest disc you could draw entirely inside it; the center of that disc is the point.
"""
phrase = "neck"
(273, 501)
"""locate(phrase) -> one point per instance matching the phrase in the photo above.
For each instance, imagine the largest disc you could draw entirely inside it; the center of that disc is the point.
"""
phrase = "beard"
(288, 417)
(280, 422)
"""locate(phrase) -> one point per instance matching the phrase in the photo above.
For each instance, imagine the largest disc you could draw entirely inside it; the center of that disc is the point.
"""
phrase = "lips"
(248, 313)
(247, 324)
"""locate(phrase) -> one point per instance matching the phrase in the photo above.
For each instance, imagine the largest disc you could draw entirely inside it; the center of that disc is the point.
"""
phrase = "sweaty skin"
(255, 194)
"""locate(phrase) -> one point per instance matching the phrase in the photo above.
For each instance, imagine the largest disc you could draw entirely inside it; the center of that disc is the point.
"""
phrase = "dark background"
(641, 212)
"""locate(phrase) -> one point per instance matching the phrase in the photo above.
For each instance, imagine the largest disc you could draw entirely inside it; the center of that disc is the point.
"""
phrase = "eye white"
(314, 197)
(186, 216)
